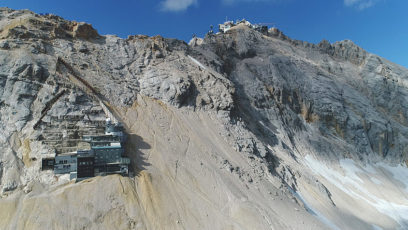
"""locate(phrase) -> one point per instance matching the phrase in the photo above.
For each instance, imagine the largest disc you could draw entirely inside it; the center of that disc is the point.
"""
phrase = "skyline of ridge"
(374, 25)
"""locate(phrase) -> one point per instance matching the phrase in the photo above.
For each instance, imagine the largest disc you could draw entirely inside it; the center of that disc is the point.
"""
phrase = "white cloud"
(176, 5)
(360, 4)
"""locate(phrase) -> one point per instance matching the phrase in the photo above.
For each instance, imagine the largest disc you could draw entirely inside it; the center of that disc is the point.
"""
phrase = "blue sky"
(379, 26)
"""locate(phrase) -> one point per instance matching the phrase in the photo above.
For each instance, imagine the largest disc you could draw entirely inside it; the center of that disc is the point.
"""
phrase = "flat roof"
(67, 154)
(107, 147)
(85, 155)
(102, 135)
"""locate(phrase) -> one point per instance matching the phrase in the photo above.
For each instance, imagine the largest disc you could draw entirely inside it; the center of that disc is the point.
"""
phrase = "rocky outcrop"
(28, 25)
(84, 31)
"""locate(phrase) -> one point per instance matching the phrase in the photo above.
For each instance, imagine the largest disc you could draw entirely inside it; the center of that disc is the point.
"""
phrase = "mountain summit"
(243, 129)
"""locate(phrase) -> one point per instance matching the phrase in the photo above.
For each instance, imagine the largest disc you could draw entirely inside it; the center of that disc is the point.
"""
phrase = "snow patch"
(347, 179)
(197, 62)
(375, 227)
(399, 173)
(376, 181)
(351, 170)
(266, 127)
(315, 212)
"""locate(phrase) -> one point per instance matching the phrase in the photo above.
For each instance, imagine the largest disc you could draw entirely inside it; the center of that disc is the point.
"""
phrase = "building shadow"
(134, 150)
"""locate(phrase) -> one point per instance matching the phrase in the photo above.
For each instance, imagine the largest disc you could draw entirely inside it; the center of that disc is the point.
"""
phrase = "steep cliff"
(240, 130)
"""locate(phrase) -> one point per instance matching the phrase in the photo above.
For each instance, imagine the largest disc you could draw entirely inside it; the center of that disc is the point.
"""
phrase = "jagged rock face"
(223, 132)
(27, 25)
(339, 89)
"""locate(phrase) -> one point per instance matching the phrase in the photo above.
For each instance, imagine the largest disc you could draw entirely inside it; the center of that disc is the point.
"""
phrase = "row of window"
(66, 162)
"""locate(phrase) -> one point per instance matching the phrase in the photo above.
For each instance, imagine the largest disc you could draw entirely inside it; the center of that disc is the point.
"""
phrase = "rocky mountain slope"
(240, 130)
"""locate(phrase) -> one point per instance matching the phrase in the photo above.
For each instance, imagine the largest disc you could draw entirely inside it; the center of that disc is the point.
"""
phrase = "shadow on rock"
(134, 149)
